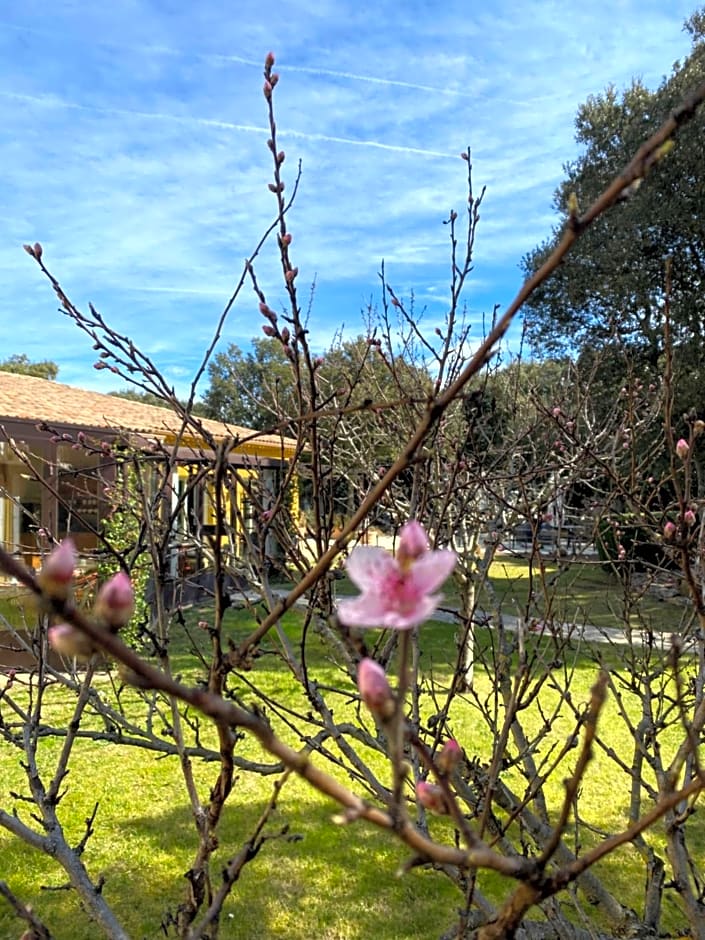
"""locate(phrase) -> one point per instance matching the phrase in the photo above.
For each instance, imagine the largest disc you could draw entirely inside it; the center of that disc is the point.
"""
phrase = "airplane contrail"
(242, 60)
(52, 101)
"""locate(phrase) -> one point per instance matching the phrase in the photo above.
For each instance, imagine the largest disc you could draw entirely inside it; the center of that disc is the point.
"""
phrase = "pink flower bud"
(374, 688)
(115, 601)
(449, 757)
(682, 448)
(431, 798)
(269, 330)
(689, 517)
(556, 412)
(413, 542)
(57, 571)
(267, 90)
(291, 275)
(669, 530)
(70, 642)
(285, 335)
(268, 313)
(286, 239)
(273, 79)
(269, 60)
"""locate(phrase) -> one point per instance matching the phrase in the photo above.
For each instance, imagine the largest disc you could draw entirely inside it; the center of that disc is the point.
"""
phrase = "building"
(61, 454)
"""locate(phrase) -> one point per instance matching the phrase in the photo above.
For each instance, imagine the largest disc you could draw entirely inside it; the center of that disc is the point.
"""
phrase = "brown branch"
(648, 154)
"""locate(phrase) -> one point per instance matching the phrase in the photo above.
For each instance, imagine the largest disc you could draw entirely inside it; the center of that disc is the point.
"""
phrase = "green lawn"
(578, 592)
(321, 880)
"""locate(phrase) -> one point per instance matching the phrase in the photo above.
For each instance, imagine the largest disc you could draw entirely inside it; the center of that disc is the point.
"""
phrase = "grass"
(319, 879)
(579, 592)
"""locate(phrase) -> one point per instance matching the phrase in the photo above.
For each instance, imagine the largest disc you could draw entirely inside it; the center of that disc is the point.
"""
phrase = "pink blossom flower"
(70, 642)
(374, 688)
(669, 530)
(396, 592)
(682, 448)
(689, 517)
(431, 798)
(57, 571)
(115, 601)
(449, 756)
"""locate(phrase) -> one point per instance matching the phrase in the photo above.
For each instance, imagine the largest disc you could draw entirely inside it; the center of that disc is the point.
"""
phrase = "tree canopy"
(21, 363)
(611, 288)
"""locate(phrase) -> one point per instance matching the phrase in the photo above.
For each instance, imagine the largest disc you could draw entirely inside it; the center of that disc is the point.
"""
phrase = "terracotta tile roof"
(26, 398)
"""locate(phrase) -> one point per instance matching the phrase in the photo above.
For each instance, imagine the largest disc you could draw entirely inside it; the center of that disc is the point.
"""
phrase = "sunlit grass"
(319, 879)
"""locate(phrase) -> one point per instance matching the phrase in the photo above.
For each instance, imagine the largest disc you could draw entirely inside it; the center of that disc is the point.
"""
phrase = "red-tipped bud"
(291, 275)
(374, 688)
(115, 602)
(267, 89)
(268, 313)
(269, 330)
(269, 60)
(449, 757)
(669, 530)
(431, 798)
(413, 542)
(285, 336)
(689, 517)
(273, 79)
(57, 571)
(286, 239)
(70, 642)
(682, 448)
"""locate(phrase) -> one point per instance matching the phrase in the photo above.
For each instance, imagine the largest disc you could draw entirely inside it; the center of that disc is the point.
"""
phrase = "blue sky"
(134, 150)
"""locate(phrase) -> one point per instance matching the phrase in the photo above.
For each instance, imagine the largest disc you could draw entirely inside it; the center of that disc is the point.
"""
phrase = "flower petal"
(369, 565)
(431, 570)
(367, 610)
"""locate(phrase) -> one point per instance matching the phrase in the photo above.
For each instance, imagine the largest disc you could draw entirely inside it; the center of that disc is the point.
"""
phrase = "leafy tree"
(21, 364)
(611, 289)
(253, 389)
